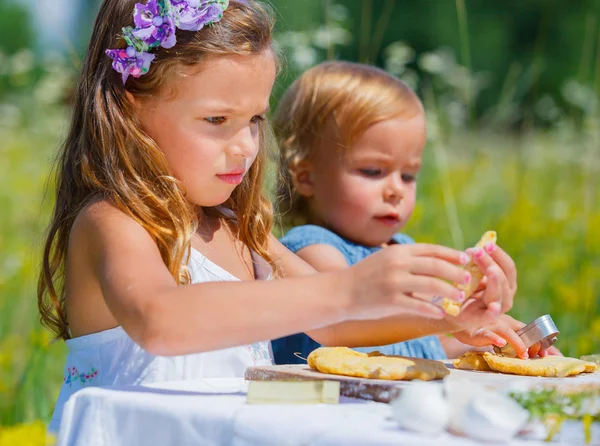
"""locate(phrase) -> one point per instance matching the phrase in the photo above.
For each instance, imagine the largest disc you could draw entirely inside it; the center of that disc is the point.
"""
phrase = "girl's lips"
(389, 220)
(232, 178)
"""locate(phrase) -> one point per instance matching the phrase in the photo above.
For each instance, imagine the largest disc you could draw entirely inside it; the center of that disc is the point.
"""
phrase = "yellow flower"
(33, 434)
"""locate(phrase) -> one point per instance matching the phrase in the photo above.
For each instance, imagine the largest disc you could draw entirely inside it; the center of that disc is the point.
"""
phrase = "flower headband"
(155, 25)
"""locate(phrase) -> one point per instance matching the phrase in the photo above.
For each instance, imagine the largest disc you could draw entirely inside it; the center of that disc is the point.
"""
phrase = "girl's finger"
(514, 340)
(507, 294)
(482, 285)
(425, 287)
(481, 258)
(553, 351)
(483, 337)
(475, 312)
(512, 322)
(441, 269)
(505, 262)
(441, 252)
(415, 305)
(493, 291)
(536, 350)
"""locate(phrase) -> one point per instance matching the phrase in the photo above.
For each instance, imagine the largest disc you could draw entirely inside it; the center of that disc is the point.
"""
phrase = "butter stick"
(293, 392)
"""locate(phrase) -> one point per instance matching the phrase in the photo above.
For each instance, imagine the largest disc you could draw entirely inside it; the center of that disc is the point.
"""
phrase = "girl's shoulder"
(302, 236)
(101, 221)
(100, 218)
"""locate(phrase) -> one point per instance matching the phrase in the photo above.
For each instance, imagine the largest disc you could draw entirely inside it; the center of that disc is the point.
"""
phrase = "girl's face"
(367, 193)
(208, 124)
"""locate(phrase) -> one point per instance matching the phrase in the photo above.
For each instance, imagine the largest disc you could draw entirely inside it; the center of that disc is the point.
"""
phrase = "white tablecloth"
(214, 412)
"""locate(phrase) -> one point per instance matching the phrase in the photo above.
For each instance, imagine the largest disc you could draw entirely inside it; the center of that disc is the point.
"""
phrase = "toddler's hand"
(403, 278)
(498, 288)
(499, 333)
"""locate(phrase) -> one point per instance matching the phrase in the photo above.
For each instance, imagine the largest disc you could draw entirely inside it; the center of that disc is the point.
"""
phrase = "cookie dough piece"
(550, 366)
(472, 361)
(348, 362)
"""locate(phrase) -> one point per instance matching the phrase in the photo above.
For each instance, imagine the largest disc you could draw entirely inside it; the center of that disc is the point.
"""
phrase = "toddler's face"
(209, 128)
(367, 193)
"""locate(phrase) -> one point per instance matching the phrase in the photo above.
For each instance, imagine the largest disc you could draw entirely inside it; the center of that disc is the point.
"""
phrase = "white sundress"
(112, 358)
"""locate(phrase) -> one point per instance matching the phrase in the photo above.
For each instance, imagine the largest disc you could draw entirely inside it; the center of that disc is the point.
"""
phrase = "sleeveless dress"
(112, 358)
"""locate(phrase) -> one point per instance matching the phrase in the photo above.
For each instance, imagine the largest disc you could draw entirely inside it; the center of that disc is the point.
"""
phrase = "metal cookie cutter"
(541, 330)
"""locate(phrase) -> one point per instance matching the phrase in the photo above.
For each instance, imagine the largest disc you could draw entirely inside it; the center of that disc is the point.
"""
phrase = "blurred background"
(511, 90)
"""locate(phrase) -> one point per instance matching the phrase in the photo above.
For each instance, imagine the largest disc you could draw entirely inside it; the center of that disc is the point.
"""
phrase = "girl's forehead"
(225, 82)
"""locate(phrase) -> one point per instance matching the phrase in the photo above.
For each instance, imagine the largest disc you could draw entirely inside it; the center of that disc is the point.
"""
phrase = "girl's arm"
(501, 277)
(120, 266)
(325, 258)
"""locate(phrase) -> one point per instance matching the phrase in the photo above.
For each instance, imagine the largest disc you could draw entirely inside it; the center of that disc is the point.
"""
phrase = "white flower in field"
(397, 55)
(292, 39)
(432, 63)
(338, 12)
(22, 62)
(437, 62)
(326, 36)
(457, 113)
(581, 95)
(547, 109)
(304, 57)
(51, 89)
(411, 78)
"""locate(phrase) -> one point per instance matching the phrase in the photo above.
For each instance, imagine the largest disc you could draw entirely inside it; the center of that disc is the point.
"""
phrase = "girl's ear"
(302, 177)
(131, 98)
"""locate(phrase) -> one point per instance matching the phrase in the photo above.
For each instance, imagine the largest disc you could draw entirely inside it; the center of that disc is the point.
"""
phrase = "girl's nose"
(394, 190)
(244, 144)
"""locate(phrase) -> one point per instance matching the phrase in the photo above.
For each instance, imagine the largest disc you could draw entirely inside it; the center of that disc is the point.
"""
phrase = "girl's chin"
(210, 202)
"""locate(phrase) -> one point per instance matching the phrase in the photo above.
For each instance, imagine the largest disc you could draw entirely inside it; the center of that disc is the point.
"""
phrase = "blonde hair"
(106, 155)
(340, 100)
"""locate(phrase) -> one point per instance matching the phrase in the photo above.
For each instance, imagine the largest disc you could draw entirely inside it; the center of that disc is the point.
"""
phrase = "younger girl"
(351, 140)
(160, 242)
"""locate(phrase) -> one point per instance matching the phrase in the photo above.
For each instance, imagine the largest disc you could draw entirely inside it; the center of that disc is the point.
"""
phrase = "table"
(214, 412)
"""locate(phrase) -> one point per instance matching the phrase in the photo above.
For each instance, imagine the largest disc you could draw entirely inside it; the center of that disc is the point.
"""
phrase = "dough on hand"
(452, 307)
(550, 366)
(348, 362)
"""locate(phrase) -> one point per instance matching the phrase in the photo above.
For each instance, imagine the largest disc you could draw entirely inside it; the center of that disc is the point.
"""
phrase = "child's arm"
(119, 265)
(365, 333)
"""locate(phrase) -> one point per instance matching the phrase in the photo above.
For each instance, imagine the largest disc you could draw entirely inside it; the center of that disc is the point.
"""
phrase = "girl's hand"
(499, 333)
(499, 285)
(496, 292)
(388, 282)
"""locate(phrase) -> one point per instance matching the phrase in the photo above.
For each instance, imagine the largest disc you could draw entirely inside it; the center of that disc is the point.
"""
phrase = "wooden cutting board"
(384, 391)
(369, 389)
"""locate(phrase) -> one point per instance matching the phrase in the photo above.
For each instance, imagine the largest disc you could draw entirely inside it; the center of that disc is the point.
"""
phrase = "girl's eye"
(215, 120)
(258, 118)
(407, 178)
(370, 172)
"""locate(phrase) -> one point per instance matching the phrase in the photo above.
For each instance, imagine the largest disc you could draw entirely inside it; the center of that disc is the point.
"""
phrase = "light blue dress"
(302, 236)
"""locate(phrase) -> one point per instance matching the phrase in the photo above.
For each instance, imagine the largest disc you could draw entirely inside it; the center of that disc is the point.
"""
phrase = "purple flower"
(155, 24)
(152, 27)
(194, 14)
(130, 62)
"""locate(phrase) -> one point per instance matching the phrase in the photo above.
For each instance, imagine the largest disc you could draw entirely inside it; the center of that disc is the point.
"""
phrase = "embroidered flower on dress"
(73, 375)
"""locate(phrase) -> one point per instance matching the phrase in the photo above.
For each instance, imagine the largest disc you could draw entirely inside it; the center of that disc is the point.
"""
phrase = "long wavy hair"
(107, 156)
(340, 100)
